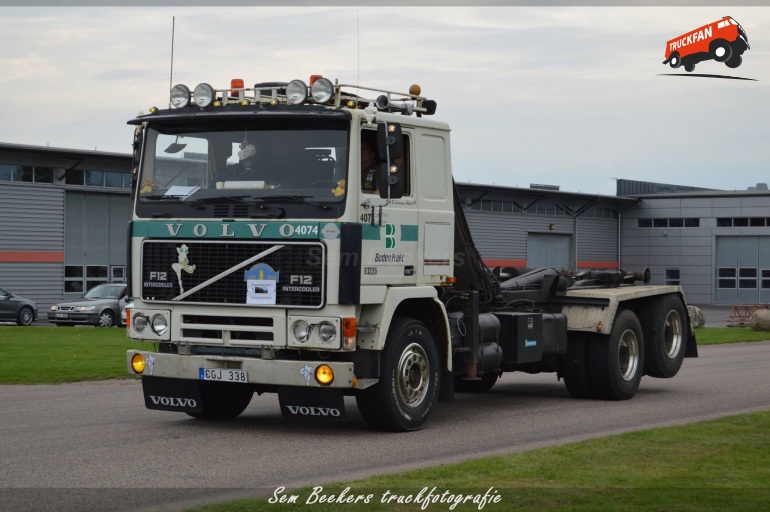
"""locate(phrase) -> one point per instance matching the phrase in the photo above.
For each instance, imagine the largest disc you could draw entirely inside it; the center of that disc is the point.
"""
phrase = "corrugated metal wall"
(32, 221)
(502, 237)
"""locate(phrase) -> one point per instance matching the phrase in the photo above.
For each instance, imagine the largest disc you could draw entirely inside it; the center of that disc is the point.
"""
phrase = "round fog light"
(137, 363)
(140, 323)
(159, 324)
(327, 332)
(301, 330)
(324, 375)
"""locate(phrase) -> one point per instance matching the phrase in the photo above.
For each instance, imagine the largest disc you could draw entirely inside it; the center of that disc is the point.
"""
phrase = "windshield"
(105, 292)
(252, 162)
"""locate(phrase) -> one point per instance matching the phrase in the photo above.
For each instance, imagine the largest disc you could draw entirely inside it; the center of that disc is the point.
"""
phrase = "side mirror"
(390, 142)
(137, 146)
(391, 180)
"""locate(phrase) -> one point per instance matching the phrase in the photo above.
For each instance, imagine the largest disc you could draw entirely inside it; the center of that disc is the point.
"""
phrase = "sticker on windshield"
(261, 284)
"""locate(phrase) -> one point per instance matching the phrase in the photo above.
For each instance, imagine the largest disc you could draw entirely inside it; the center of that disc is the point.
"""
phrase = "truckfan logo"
(723, 40)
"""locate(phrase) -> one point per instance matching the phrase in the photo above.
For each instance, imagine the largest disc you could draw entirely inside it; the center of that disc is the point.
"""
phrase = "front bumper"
(259, 371)
(91, 318)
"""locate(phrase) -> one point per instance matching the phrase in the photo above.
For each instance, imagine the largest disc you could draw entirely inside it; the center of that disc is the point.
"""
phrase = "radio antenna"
(171, 73)
(358, 51)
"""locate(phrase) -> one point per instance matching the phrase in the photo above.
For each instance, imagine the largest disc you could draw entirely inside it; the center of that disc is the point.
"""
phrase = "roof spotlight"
(180, 96)
(322, 90)
(296, 92)
(203, 95)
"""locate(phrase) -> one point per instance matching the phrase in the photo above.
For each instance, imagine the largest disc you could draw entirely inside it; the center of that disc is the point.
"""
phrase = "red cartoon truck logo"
(723, 41)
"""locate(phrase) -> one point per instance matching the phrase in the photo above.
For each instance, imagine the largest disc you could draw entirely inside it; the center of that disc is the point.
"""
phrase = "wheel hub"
(413, 375)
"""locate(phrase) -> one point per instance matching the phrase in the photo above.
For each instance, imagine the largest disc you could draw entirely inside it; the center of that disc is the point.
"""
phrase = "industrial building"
(64, 214)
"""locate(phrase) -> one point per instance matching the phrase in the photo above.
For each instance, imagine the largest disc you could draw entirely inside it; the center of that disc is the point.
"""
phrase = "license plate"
(62, 315)
(222, 374)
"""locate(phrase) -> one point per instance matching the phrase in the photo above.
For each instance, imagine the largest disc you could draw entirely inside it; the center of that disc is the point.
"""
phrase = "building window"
(765, 283)
(118, 274)
(740, 222)
(74, 177)
(113, 179)
(757, 222)
(43, 175)
(672, 276)
(691, 223)
(95, 275)
(660, 223)
(676, 223)
(73, 279)
(23, 173)
(644, 223)
(94, 178)
(724, 222)
(747, 278)
(726, 278)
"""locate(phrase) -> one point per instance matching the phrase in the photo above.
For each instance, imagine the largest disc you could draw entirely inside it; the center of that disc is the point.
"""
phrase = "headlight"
(140, 323)
(322, 90)
(327, 332)
(296, 92)
(85, 308)
(180, 96)
(159, 324)
(301, 330)
(54, 308)
(203, 95)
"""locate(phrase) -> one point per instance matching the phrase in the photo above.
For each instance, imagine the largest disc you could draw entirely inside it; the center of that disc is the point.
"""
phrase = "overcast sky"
(568, 96)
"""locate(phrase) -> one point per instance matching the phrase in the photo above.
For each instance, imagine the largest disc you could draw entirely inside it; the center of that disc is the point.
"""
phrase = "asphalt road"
(93, 446)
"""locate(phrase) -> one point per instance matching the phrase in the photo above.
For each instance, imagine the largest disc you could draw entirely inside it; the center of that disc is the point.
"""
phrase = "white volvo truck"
(264, 259)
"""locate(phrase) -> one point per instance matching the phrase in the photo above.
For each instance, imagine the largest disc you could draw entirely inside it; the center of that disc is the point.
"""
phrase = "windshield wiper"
(300, 199)
(165, 197)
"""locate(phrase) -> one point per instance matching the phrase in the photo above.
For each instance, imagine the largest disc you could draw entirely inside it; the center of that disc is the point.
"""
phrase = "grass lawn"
(714, 335)
(50, 355)
(721, 465)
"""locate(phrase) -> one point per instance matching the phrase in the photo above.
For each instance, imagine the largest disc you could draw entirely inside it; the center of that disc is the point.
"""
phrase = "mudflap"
(165, 394)
(311, 403)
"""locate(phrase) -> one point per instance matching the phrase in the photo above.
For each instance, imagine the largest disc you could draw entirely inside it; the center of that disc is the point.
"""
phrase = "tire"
(407, 391)
(106, 319)
(26, 316)
(674, 61)
(689, 67)
(665, 325)
(720, 50)
(573, 367)
(223, 400)
(616, 362)
(483, 385)
(734, 62)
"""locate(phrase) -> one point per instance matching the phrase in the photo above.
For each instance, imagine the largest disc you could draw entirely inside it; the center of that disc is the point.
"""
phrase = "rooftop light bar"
(321, 92)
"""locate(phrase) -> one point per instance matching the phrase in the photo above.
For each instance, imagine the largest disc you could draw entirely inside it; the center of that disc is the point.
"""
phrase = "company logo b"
(390, 236)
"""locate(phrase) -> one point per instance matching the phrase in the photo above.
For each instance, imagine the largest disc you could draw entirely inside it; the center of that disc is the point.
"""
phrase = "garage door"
(548, 250)
(743, 269)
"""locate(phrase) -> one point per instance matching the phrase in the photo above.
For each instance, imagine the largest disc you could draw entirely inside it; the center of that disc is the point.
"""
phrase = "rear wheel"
(664, 336)
(407, 391)
(689, 67)
(616, 362)
(674, 61)
(222, 400)
(26, 316)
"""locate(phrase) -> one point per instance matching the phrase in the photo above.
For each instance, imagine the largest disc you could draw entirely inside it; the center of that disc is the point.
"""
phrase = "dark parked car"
(100, 306)
(15, 308)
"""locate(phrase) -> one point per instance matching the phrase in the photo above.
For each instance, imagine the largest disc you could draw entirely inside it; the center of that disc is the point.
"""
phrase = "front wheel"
(616, 362)
(26, 316)
(734, 62)
(106, 319)
(407, 391)
(721, 50)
